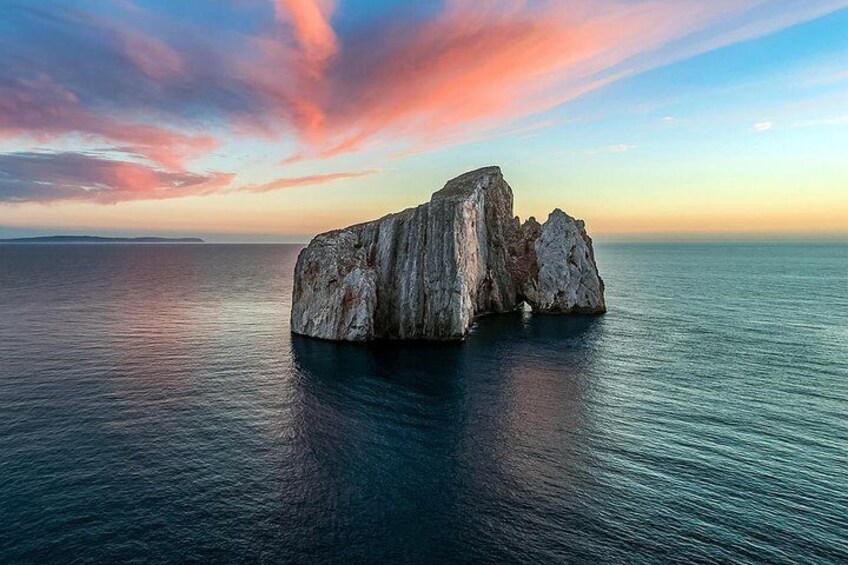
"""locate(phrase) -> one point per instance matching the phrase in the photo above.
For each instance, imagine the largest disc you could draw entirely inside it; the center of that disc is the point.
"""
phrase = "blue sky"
(268, 120)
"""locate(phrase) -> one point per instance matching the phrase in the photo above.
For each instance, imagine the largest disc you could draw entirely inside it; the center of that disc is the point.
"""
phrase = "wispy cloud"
(50, 177)
(290, 182)
(310, 22)
(172, 86)
(39, 107)
(763, 126)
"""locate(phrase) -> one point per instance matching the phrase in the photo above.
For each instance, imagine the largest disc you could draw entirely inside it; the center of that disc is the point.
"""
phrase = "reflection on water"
(457, 437)
(155, 407)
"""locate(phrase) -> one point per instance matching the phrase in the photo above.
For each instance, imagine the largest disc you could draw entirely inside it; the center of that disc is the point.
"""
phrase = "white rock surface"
(568, 279)
(426, 272)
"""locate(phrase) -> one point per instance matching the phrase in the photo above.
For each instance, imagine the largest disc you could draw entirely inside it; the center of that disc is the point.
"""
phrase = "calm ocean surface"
(154, 407)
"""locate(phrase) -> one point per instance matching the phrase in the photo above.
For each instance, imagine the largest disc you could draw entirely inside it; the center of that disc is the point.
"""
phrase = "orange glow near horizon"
(298, 217)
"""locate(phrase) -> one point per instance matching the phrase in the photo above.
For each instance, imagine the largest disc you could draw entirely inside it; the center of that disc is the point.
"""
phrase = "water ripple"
(155, 408)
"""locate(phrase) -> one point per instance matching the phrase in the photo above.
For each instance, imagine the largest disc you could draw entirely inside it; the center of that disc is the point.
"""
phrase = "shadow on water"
(430, 365)
(415, 438)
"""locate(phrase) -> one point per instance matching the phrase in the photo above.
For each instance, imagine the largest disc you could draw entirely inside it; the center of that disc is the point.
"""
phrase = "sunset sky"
(272, 120)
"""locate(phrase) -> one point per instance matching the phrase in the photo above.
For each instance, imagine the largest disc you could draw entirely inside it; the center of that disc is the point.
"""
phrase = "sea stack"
(427, 272)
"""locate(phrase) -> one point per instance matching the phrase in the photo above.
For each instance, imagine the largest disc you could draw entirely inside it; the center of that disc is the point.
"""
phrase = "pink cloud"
(310, 22)
(41, 108)
(153, 57)
(473, 67)
(480, 65)
(50, 177)
(156, 86)
(290, 182)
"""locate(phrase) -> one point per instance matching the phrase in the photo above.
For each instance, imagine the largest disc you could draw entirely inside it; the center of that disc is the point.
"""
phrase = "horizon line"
(600, 237)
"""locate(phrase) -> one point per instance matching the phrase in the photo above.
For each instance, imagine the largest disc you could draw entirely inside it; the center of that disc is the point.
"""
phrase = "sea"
(155, 408)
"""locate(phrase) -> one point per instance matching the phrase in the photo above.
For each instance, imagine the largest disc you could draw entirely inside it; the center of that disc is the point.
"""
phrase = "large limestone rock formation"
(426, 272)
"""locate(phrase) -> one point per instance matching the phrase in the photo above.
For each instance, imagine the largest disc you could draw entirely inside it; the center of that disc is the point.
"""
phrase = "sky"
(273, 120)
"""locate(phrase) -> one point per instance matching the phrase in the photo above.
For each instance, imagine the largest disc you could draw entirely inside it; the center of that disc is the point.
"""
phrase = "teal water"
(155, 408)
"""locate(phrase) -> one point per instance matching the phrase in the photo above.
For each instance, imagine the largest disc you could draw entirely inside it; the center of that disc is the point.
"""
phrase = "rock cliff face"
(426, 272)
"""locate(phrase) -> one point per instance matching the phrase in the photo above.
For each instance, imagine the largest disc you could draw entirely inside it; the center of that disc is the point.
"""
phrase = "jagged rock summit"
(426, 272)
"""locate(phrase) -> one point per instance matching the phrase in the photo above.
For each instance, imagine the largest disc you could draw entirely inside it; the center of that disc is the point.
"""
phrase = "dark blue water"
(155, 408)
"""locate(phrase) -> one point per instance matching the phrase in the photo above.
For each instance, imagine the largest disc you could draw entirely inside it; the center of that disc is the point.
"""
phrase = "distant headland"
(100, 239)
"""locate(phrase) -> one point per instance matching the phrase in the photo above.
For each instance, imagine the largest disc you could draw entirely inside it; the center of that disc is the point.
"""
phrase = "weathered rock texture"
(426, 272)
